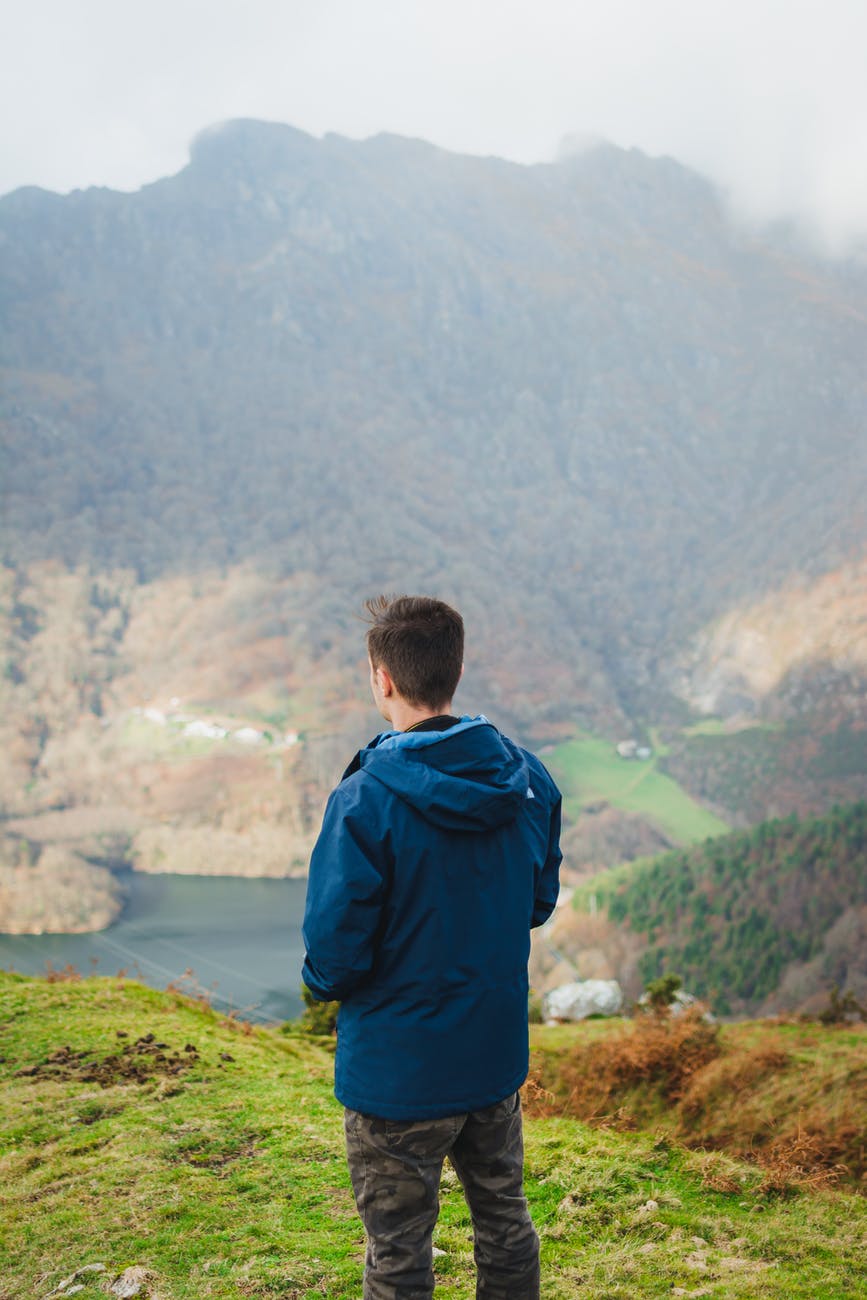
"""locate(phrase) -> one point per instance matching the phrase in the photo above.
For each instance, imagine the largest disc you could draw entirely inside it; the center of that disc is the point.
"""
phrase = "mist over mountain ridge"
(571, 396)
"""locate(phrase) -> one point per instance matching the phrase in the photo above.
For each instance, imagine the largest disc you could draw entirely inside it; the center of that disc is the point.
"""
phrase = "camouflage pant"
(395, 1168)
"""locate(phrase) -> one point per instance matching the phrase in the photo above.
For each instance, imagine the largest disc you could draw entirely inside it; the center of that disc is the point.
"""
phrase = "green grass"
(719, 727)
(166, 741)
(707, 727)
(229, 1180)
(660, 748)
(604, 884)
(589, 769)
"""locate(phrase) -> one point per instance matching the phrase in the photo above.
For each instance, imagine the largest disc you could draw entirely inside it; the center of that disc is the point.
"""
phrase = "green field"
(717, 727)
(168, 741)
(139, 1129)
(589, 769)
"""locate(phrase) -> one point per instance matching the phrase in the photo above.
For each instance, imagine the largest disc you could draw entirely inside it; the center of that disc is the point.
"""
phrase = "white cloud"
(767, 96)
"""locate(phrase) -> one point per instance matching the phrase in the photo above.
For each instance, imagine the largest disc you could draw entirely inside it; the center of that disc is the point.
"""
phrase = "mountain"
(758, 922)
(381, 363)
(574, 398)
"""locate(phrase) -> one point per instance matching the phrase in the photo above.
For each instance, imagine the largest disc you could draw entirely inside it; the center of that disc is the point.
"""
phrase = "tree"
(662, 992)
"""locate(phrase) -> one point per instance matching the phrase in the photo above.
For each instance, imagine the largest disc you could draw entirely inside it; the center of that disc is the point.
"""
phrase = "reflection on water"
(241, 938)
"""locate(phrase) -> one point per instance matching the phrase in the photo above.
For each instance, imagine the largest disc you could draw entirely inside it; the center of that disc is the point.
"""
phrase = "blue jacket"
(438, 851)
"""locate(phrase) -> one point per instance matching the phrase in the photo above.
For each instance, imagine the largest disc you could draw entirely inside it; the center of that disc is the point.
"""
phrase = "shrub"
(658, 1054)
(535, 1015)
(662, 992)
(842, 1008)
(318, 1017)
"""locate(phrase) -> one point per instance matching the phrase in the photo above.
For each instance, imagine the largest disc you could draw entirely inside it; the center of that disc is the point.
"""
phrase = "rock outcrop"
(583, 998)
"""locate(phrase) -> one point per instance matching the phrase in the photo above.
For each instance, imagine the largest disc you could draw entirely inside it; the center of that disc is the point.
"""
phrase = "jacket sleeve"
(548, 884)
(345, 895)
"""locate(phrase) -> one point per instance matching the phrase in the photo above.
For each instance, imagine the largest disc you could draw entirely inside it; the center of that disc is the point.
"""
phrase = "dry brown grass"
(661, 1052)
(792, 1099)
(187, 991)
(67, 974)
(719, 1173)
(732, 1076)
(799, 1161)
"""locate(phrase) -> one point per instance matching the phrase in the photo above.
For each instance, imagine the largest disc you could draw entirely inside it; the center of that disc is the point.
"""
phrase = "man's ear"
(386, 685)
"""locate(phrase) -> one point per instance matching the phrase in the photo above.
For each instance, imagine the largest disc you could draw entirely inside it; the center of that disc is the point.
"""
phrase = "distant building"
(632, 749)
(205, 730)
(248, 736)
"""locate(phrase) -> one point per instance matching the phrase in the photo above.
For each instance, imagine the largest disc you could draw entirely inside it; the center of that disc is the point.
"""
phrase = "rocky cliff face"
(798, 650)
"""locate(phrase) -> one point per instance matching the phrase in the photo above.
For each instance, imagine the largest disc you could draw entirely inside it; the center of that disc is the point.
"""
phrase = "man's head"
(416, 648)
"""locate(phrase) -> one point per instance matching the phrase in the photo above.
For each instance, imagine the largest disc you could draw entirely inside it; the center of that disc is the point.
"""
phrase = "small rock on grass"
(131, 1282)
(67, 1287)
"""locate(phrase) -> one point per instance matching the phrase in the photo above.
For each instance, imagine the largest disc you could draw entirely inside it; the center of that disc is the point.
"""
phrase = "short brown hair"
(420, 643)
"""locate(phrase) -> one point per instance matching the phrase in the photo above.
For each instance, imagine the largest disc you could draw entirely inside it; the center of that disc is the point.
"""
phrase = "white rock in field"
(66, 1287)
(131, 1282)
(583, 998)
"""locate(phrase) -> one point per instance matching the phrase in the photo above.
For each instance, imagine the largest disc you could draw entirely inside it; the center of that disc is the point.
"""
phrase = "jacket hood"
(469, 777)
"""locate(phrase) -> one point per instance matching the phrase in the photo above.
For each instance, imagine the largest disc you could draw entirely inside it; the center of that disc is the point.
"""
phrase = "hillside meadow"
(588, 768)
(141, 1128)
(788, 1095)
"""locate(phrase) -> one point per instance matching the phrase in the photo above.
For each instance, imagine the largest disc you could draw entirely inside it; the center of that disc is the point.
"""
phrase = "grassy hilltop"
(143, 1129)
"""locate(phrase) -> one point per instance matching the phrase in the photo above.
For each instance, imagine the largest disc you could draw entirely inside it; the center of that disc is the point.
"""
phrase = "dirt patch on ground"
(136, 1062)
(211, 1151)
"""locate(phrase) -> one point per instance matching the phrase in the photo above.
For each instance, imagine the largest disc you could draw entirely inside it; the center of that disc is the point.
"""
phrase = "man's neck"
(404, 716)
(439, 722)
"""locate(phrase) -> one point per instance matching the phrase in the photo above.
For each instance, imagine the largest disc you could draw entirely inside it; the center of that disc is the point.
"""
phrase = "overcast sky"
(769, 97)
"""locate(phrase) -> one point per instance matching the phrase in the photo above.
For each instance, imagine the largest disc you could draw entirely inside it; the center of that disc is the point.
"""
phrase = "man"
(438, 852)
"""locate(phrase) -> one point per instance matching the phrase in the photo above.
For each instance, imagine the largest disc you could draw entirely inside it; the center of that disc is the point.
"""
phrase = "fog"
(767, 97)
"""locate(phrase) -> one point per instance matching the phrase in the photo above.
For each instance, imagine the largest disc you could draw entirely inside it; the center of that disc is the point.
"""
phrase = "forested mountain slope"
(572, 396)
(758, 921)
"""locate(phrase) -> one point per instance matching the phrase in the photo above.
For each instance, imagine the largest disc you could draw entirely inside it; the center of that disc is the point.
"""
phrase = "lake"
(240, 937)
